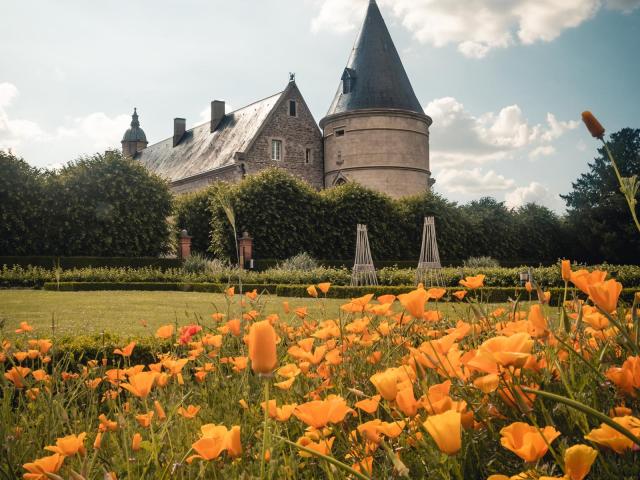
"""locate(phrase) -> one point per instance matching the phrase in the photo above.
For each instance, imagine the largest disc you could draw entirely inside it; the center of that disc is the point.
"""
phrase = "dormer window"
(348, 80)
(293, 108)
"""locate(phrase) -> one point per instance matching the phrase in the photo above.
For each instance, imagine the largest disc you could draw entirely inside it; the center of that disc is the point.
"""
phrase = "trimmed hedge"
(155, 286)
(548, 277)
(50, 261)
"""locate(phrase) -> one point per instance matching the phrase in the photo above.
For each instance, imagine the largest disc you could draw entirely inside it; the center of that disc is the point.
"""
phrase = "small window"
(307, 156)
(347, 85)
(293, 108)
(339, 133)
(276, 150)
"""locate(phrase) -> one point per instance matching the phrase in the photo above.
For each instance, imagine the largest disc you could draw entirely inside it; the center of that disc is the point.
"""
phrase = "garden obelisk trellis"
(364, 273)
(429, 271)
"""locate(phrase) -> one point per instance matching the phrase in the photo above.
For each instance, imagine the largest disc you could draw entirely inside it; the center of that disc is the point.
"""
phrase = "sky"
(505, 81)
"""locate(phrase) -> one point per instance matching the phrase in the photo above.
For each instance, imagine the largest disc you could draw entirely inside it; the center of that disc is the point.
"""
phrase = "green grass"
(123, 313)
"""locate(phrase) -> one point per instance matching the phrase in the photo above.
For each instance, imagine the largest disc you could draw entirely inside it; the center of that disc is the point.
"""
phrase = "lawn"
(126, 313)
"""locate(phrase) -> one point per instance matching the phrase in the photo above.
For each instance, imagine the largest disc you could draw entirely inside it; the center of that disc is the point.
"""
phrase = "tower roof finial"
(134, 118)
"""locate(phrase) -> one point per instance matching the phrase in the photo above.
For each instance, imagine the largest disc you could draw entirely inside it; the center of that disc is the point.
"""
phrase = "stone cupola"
(134, 139)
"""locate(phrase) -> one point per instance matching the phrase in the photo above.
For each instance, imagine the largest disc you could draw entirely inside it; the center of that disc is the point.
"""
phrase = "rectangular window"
(293, 110)
(307, 156)
(276, 150)
(339, 133)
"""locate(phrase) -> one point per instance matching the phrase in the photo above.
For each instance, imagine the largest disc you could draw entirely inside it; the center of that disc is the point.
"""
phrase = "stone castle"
(375, 133)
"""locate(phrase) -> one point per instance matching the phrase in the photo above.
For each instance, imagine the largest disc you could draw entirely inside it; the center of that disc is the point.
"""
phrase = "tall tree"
(598, 214)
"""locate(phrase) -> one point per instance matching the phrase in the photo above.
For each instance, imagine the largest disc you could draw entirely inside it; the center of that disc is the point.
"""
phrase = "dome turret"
(134, 139)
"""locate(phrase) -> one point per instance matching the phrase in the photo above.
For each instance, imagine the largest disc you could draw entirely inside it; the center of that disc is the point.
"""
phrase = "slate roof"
(380, 78)
(201, 151)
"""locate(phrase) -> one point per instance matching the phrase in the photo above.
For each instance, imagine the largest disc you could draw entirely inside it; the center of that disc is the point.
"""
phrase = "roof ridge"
(208, 121)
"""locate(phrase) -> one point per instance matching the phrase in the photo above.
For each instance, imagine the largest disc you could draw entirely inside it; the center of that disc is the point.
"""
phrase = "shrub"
(192, 213)
(481, 262)
(302, 261)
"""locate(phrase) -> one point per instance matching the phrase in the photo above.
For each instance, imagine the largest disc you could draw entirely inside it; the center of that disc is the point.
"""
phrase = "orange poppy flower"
(414, 301)
(565, 269)
(473, 283)
(386, 299)
(230, 292)
(324, 287)
(436, 293)
(583, 278)
(283, 413)
(301, 312)
(286, 384)
(159, 411)
(140, 384)
(460, 294)
(24, 327)
(608, 437)
(190, 412)
(69, 445)
(322, 446)
(144, 419)
(593, 125)
(17, 375)
(527, 441)
(319, 413)
(262, 347)
(578, 460)
(125, 351)
(369, 405)
(446, 431)
(165, 332)
(605, 294)
(312, 292)
(38, 469)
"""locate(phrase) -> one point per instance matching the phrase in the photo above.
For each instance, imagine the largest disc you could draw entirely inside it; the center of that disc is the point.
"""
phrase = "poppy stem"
(585, 409)
(265, 429)
(628, 195)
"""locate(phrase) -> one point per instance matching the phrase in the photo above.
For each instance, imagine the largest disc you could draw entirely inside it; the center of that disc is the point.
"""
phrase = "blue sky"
(505, 81)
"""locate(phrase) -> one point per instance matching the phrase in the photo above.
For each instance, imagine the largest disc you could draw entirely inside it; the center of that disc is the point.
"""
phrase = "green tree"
(597, 213)
(347, 205)
(451, 226)
(539, 233)
(109, 205)
(21, 201)
(493, 230)
(192, 213)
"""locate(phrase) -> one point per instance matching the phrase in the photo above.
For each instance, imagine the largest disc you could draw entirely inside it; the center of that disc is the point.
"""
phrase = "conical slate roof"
(375, 72)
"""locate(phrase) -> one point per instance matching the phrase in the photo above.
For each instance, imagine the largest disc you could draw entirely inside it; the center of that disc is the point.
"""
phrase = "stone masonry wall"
(297, 134)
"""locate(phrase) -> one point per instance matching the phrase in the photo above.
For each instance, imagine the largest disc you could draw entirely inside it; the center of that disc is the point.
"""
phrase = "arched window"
(340, 181)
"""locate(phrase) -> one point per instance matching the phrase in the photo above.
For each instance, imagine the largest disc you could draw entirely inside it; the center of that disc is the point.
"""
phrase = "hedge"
(155, 286)
(66, 263)
(30, 277)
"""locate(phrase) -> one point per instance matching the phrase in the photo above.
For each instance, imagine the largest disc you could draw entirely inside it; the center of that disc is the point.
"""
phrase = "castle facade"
(375, 132)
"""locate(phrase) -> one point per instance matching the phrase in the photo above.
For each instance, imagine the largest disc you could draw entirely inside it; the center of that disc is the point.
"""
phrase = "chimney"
(217, 113)
(179, 127)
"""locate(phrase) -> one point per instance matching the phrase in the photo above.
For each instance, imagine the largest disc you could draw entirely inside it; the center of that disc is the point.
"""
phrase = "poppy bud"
(593, 125)
(262, 347)
(566, 270)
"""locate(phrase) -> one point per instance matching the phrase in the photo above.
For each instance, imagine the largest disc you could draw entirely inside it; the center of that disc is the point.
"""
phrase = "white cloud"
(473, 181)
(459, 138)
(87, 134)
(542, 151)
(97, 130)
(475, 26)
(533, 193)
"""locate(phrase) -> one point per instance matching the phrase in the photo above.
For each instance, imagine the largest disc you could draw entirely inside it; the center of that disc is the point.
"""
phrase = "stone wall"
(231, 175)
(386, 150)
(297, 134)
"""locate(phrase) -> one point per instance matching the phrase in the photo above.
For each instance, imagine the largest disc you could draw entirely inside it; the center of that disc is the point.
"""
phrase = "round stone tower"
(134, 139)
(376, 132)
